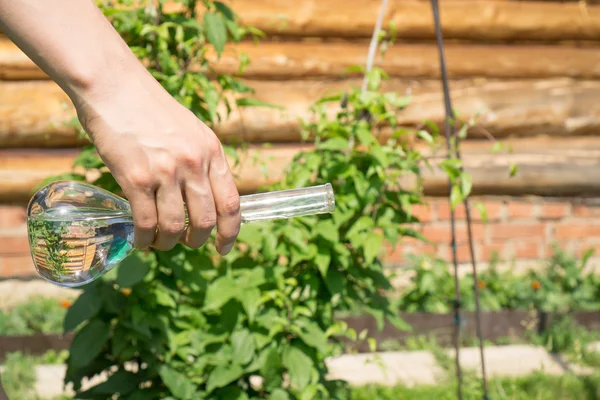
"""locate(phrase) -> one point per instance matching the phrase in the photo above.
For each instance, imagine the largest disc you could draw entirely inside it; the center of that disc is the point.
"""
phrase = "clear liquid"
(76, 249)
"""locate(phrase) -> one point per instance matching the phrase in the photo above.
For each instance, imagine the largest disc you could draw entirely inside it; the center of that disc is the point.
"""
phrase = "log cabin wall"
(530, 71)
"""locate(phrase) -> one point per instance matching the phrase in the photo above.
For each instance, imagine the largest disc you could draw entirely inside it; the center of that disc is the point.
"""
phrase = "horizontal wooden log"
(474, 20)
(546, 166)
(21, 170)
(35, 114)
(306, 60)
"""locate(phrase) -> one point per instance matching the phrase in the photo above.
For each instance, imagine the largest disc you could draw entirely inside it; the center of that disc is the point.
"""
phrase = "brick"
(554, 211)
(14, 245)
(493, 210)
(577, 230)
(423, 212)
(586, 211)
(17, 266)
(463, 253)
(583, 247)
(441, 233)
(521, 210)
(517, 230)
(495, 249)
(12, 217)
(424, 248)
(527, 249)
(393, 255)
(443, 211)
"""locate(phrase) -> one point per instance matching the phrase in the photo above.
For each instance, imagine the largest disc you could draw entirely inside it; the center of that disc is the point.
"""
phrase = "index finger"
(227, 204)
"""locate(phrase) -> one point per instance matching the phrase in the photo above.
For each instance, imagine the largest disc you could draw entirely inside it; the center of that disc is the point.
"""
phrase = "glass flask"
(78, 231)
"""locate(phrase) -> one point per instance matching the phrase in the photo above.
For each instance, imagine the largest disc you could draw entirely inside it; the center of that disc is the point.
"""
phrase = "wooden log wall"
(528, 71)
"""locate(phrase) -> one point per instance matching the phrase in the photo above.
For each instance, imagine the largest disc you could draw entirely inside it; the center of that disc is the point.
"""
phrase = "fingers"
(227, 204)
(145, 218)
(171, 215)
(201, 211)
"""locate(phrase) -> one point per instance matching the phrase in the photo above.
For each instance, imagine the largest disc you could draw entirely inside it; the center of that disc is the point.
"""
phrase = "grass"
(533, 387)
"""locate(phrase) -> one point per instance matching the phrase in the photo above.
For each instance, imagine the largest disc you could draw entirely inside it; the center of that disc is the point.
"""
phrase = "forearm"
(71, 41)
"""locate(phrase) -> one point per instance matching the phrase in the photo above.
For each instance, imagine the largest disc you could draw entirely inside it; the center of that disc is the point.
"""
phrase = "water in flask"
(78, 232)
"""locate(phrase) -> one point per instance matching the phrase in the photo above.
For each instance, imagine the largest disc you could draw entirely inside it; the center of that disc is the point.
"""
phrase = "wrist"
(88, 81)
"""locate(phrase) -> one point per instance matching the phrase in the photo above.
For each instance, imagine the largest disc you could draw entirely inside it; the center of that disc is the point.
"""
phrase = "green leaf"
(364, 137)
(334, 144)
(250, 299)
(372, 247)
(299, 366)
(223, 375)
(88, 343)
(498, 146)
(327, 230)
(84, 308)
(466, 184)
(425, 136)
(243, 346)
(323, 259)
(219, 292)
(178, 383)
(462, 133)
(482, 211)
(455, 196)
(270, 369)
(232, 393)
(312, 335)
(216, 31)
(335, 281)
(254, 278)
(362, 224)
(514, 168)
(164, 299)
(251, 102)
(279, 394)
(225, 10)
(121, 382)
(269, 247)
(132, 270)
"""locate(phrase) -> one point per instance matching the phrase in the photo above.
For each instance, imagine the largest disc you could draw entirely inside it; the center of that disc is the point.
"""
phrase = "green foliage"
(196, 325)
(533, 387)
(18, 378)
(38, 315)
(562, 286)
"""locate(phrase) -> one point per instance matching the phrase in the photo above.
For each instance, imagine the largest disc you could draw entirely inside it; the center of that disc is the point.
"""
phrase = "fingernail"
(226, 249)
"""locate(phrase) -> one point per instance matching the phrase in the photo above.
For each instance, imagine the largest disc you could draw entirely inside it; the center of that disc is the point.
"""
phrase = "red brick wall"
(517, 228)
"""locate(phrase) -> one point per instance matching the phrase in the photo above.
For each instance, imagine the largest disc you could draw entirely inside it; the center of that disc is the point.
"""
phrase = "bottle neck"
(286, 204)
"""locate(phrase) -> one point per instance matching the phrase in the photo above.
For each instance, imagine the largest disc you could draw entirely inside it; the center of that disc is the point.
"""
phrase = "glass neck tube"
(285, 204)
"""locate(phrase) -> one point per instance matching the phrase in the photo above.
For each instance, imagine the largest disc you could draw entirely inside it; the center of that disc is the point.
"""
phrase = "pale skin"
(161, 155)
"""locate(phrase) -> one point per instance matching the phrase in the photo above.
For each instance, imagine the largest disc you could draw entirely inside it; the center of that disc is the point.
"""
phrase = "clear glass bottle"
(78, 231)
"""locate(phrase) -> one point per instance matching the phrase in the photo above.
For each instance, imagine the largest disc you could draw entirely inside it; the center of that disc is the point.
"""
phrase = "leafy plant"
(194, 325)
(38, 315)
(18, 378)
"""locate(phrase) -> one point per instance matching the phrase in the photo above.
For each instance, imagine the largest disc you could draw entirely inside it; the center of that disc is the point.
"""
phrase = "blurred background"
(527, 73)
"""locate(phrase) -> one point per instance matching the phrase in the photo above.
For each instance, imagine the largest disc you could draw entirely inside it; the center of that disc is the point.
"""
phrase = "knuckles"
(231, 205)
(172, 228)
(141, 179)
(205, 223)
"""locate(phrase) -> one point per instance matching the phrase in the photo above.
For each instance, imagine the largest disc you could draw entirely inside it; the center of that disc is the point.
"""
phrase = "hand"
(162, 156)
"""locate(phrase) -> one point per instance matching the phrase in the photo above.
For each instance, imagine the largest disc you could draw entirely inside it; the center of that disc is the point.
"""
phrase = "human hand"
(162, 155)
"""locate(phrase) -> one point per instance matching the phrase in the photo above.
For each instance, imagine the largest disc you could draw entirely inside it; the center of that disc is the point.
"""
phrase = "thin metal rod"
(450, 133)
